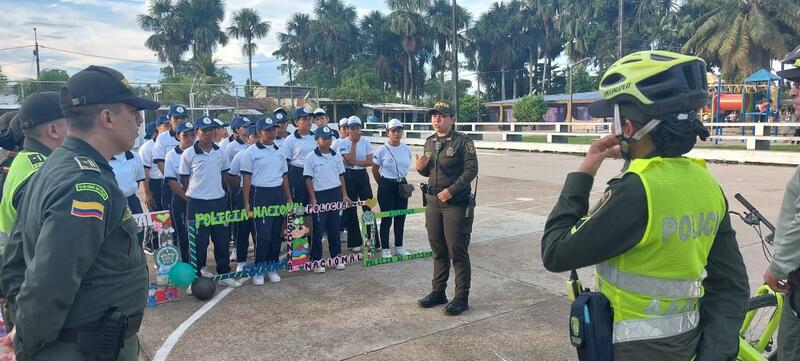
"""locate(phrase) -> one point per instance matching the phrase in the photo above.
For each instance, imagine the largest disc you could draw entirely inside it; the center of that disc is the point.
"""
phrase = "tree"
(530, 109)
(357, 80)
(169, 39)
(201, 21)
(441, 25)
(247, 25)
(49, 80)
(3, 79)
(296, 45)
(381, 47)
(335, 32)
(469, 107)
(745, 35)
(406, 20)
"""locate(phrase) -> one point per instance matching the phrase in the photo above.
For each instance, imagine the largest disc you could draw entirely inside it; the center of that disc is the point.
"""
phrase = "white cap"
(394, 123)
(343, 122)
(353, 120)
(320, 111)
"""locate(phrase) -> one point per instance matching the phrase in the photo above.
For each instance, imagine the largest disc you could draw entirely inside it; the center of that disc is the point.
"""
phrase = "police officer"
(296, 147)
(203, 172)
(667, 258)
(92, 288)
(265, 183)
(451, 164)
(186, 136)
(357, 154)
(44, 128)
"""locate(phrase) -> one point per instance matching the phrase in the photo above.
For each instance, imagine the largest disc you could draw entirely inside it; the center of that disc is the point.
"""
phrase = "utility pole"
(455, 60)
(291, 86)
(619, 20)
(36, 51)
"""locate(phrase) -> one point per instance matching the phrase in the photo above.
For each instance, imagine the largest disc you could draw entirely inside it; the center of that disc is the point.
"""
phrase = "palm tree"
(441, 25)
(575, 21)
(745, 34)
(382, 48)
(167, 40)
(335, 32)
(247, 25)
(202, 20)
(407, 21)
(545, 12)
(296, 42)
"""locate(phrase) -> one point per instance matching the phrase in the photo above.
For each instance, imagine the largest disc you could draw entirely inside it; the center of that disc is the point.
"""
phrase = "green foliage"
(468, 108)
(3, 78)
(356, 85)
(583, 82)
(530, 109)
(49, 80)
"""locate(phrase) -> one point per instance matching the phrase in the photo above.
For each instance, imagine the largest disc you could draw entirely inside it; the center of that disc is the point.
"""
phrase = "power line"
(100, 56)
(17, 47)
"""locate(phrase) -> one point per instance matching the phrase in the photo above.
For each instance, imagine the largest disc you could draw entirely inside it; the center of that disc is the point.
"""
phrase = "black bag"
(591, 325)
(406, 190)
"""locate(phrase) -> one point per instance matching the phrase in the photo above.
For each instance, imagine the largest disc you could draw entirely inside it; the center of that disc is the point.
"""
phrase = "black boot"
(457, 307)
(433, 299)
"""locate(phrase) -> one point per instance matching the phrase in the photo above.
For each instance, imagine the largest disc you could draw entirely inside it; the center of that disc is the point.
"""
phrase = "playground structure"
(757, 100)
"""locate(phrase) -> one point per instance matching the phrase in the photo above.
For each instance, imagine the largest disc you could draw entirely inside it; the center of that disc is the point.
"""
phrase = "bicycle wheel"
(762, 309)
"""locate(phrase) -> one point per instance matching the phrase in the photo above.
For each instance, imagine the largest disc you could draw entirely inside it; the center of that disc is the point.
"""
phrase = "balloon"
(203, 288)
(182, 274)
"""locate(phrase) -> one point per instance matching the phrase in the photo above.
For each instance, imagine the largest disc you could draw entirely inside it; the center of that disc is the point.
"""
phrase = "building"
(503, 110)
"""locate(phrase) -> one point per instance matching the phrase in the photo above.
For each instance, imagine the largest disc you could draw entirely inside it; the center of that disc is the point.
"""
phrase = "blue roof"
(761, 76)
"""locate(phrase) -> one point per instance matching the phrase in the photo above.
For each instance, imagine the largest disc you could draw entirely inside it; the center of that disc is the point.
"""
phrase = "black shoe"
(433, 299)
(457, 307)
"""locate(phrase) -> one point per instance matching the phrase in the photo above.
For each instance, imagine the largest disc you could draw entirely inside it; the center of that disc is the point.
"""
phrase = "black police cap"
(101, 85)
(40, 108)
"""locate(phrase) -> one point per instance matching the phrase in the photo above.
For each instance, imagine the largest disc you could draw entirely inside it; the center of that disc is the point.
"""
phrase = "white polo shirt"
(164, 142)
(204, 171)
(324, 169)
(297, 147)
(392, 160)
(173, 163)
(280, 141)
(146, 153)
(128, 170)
(266, 165)
(233, 147)
(363, 148)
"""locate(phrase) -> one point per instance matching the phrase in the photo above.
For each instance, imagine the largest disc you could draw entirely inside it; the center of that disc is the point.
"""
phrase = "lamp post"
(569, 104)
(455, 61)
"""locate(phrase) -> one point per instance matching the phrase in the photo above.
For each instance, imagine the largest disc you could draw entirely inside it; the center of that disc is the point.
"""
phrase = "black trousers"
(389, 199)
(157, 190)
(449, 232)
(136, 207)
(297, 184)
(241, 230)
(358, 188)
(268, 229)
(177, 210)
(219, 234)
(327, 222)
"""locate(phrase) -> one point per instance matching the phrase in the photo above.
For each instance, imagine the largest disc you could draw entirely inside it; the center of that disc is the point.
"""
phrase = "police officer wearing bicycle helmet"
(666, 256)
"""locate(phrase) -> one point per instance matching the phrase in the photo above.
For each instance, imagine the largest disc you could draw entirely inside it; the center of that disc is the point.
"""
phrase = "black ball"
(203, 288)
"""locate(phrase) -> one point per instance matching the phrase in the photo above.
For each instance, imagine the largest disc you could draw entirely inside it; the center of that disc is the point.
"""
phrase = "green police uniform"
(80, 255)
(452, 165)
(623, 232)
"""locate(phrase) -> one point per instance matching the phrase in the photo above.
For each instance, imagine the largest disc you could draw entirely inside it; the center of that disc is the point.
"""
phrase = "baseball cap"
(319, 111)
(239, 122)
(204, 122)
(300, 112)
(342, 123)
(177, 110)
(101, 85)
(185, 127)
(162, 119)
(150, 128)
(353, 120)
(40, 108)
(323, 132)
(443, 108)
(280, 115)
(394, 123)
(265, 123)
(251, 129)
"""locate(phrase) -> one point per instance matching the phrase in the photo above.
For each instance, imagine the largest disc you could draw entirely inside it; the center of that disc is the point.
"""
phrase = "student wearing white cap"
(153, 184)
(390, 166)
(321, 120)
(203, 171)
(186, 135)
(357, 154)
(296, 147)
(265, 183)
(129, 172)
(324, 178)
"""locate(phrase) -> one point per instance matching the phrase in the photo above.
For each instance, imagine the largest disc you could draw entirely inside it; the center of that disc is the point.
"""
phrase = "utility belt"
(103, 339)
(390, 180)
(461, 198)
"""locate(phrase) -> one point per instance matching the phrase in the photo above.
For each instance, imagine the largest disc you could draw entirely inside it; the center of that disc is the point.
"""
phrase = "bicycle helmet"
(649, 87)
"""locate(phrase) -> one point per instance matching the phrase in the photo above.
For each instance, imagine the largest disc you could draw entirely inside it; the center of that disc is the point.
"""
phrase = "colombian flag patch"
(87, 209)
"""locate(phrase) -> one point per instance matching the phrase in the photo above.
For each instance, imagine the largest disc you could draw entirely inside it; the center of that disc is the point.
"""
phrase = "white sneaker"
(283, 258)
(340, 266)
(273, 277)
(401, 251)
(206, 273)
(356, 249)
(189, 291)
(385, 253)
(229, 282)
(240, 266)
(319, 270)
(258, 280)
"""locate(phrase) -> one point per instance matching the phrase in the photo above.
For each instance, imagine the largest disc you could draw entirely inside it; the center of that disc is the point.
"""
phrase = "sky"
(108, 28)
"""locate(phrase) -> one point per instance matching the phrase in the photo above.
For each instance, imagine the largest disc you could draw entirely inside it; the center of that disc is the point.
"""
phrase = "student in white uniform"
(164, 143)
(153, 184)
(280, 117)
(203, 171)
(297, 147)
(241, 230)
(390, 165)
(221, 134)
(186, 137)
(321, 120)
(357, 154)
(129, 172)
(237, 140)
(324, 178)
(266, 183)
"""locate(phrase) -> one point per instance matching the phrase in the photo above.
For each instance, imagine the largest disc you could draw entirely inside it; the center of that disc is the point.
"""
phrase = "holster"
(105, 339)
(424, 188)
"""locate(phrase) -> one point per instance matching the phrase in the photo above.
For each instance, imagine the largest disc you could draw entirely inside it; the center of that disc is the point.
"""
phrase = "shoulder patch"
(470, 147)
(92, 187)
(87, 209)
(86, 163)
(36, 159)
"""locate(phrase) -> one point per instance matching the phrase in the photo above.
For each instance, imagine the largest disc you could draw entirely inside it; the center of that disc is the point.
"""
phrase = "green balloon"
(182, 274)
